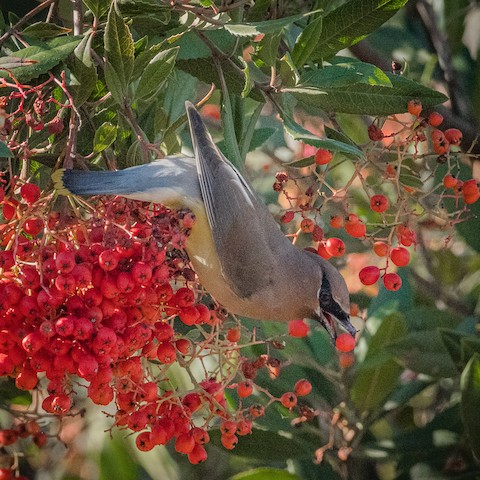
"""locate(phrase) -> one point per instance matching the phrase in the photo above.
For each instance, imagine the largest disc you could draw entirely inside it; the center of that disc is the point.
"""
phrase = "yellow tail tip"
(57, 178)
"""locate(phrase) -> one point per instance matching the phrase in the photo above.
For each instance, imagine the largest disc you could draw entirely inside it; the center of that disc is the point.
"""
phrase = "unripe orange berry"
(415, 107)
(233, 335)
(288, 400)
(307, 225)
(322, 157)
(435, 119)
(302, 387)
(381, 249)
(245, 389)
(336, 221)
(449, 181)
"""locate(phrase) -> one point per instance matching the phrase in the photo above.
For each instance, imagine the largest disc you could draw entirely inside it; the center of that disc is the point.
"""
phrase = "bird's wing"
(246, 236)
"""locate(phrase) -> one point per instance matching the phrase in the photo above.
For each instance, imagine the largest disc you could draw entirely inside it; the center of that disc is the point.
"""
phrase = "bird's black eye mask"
(328, 304)
(330, 308)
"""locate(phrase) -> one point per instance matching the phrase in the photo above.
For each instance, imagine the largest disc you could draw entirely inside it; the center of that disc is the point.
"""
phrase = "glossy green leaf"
(10, 394)
(307, 41)
(374, 381)
(104, 137)
(266, 27)
(5, 152)
(115, 84)
(116, 460)
(45, 30)
(352, 21)
(156, 72)
(299, 133)
(470, 389)
(43, 57)
(119, 48)
(363, 98)
(265, 473)
(268, 446)
(98, 7)
(84, 71)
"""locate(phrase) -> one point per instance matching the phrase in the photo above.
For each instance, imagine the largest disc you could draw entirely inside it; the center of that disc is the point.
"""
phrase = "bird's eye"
(324, 297)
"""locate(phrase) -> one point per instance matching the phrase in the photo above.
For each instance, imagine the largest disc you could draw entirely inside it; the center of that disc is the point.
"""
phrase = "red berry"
(345, 342)
(435, 119)
(287, 217)
(392, 281)
(470, 187)
(33, 226)
(233, 335)
(379, 203)
(197, 455)
(335, 247)
(185, 443)
(30, 192)
(166, 353)
(381, 249)
(307, 225)
(245, 389)
(415, 107)
(184, 346)
(449, 181)
(400, 256)
(336, 221)
(454, 136)
(322, 251)
(369, 275)
(229, 441)
(302, 387)
(288, 400)
(298, 328)
(144, 442)
(355, 227)
(375, 133)
(322, 157)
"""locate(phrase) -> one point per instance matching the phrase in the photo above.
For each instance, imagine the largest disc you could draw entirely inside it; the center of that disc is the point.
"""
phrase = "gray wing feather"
(245, 234)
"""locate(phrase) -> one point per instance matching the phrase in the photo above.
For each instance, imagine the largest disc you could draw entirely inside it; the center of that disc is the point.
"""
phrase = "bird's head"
(333, 302)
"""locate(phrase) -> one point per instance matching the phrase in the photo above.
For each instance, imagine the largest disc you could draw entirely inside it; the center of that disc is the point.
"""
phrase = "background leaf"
(470, 388)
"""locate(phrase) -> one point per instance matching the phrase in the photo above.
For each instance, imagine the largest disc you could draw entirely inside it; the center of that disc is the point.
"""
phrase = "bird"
(237, 249)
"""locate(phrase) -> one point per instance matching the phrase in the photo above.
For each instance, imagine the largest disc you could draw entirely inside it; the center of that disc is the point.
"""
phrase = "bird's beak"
(329, 322)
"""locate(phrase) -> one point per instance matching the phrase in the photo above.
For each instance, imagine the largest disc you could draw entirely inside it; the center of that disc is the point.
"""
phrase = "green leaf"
(116, 86)
(307, 41)
(97, 7)
(423, 350)
(268, 26)
(204, 70)
(452, 342)
(45, 30)
(470, 389)
(352, 21)
(377, 376)
(5, 152)
(43, 57)
(116, 460)
(299, 133)
(145, 7)
(119, 49)
(84, 71)
(268, 446)
(10, 394)
(302, 163)
(265, 473)
(266, 51)
(156, 72)
(104, 137)
(363, 98)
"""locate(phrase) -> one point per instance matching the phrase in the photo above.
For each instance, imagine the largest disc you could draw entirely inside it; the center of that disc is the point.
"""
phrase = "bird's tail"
(67, 182)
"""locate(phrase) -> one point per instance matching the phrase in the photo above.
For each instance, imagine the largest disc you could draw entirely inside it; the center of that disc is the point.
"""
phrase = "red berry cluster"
(104, 298)
(393, 197)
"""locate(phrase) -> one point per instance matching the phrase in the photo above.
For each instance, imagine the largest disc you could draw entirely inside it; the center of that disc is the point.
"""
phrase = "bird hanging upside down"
(236, 248)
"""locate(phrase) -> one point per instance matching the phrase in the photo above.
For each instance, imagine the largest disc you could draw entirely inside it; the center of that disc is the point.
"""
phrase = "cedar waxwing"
(237, 249)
